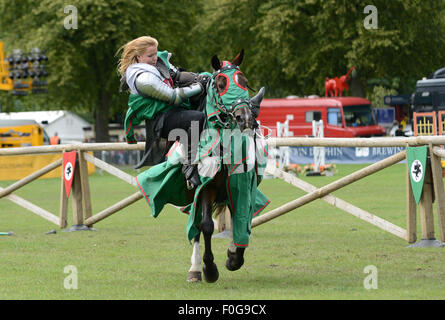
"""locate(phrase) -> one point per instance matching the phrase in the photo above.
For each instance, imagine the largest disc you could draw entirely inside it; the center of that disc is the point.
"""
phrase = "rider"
(161, 95)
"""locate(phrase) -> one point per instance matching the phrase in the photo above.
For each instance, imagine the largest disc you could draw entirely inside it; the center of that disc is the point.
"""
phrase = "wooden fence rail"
(82, 201)
(323, 191)
(276, 142)
(336, 202)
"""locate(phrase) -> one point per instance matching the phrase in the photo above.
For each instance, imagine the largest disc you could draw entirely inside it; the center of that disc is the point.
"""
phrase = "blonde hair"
(131, 50)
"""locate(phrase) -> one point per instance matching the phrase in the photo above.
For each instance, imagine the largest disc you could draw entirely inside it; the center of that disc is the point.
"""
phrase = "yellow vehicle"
(21, 133)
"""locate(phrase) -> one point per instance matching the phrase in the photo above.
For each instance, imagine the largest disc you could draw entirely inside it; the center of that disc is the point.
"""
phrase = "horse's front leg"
(235, 257)
(210, 269)
(194, 274)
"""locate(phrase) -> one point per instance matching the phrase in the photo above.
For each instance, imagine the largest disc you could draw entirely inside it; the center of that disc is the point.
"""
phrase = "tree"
(224, 28)
(83, 64)
(291, 45)
(294, 44)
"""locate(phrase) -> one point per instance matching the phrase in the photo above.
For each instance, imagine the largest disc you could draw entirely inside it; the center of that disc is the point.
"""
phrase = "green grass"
(314, 252)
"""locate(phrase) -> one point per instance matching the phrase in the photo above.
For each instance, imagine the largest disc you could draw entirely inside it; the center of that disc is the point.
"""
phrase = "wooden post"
(221, 222)
(224, 220)
(439, 192)
(228, 221)
(411, 209)
(85, 184)
(76, 190)
(426, 206)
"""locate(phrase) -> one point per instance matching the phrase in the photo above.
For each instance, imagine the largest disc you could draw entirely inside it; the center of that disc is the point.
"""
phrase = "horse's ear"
(239, 58)
(216, 64)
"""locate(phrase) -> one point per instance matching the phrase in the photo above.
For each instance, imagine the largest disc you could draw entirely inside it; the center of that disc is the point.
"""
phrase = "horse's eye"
(221, 83)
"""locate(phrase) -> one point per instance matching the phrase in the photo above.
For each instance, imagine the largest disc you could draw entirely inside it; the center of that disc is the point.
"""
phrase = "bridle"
(228, 112)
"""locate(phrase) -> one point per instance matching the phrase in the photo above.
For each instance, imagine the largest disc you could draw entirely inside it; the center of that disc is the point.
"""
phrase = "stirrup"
(191, 175)
(189, 181)
(144, 161)
(189, 185)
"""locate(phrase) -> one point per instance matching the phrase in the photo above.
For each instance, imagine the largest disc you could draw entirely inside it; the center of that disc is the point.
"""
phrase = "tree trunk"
(101, 116)
(357, 88)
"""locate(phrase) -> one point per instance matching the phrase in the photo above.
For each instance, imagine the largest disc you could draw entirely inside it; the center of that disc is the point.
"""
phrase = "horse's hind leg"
(194, 274)
(210, 269)
(235, 257)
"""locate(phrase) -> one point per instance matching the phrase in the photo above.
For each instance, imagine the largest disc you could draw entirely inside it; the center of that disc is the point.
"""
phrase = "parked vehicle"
(430, 93)
(342, 116)
(429, 97)
(21, 133)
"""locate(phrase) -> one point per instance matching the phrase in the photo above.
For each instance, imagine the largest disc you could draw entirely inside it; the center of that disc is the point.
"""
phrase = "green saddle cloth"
(244, 158)
(165, 183)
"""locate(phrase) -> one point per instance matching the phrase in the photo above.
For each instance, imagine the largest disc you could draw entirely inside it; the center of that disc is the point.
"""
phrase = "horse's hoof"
(232, 264)
(211, 273)
(194, 276)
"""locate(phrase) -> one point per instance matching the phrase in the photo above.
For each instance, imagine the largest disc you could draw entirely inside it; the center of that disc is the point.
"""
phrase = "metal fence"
(120, 157)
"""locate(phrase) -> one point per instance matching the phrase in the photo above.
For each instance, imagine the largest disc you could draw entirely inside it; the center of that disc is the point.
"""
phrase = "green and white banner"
(416, 157)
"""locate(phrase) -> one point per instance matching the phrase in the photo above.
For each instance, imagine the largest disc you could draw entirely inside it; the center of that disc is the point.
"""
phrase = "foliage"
(291, 45)
(378, 94)
(314, 39)
(82, 61)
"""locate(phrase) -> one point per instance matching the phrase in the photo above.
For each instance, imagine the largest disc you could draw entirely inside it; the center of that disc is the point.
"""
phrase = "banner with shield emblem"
(416, 157)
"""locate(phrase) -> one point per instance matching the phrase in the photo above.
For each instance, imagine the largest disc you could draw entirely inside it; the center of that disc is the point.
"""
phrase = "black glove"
(203, 80)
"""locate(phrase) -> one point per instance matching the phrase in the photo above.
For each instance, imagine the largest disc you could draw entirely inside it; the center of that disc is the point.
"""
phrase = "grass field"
(314, 252)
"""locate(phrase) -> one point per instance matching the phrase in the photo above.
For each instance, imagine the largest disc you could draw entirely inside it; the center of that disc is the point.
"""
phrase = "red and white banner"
(69, 163)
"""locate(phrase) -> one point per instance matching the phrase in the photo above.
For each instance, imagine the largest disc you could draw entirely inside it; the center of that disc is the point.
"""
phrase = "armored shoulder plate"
(162, 68)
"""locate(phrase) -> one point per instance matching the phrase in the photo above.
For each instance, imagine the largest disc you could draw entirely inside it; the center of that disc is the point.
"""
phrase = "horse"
(336, 86)
(342, 82)
(238, 115)
(330, 87)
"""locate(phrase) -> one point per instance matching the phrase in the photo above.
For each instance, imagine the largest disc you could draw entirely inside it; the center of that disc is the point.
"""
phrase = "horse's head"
(230, 93)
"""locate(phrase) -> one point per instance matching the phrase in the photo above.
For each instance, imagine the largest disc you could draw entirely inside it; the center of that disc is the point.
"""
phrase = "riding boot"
(155, 147)
(189, 169)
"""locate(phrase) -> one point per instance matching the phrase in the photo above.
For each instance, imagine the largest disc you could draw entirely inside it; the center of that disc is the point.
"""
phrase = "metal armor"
(151, 85)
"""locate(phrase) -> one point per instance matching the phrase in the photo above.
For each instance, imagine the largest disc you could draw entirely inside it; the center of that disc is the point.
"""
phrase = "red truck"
(342, 116)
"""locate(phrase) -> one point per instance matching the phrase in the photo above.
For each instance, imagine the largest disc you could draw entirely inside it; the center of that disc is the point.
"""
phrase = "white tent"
(68, 125)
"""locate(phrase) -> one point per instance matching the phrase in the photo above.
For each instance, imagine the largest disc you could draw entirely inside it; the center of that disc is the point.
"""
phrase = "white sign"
(416, 170)
(68, 171)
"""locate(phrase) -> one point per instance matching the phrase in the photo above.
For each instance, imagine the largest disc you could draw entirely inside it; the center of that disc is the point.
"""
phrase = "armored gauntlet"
(150, 85)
